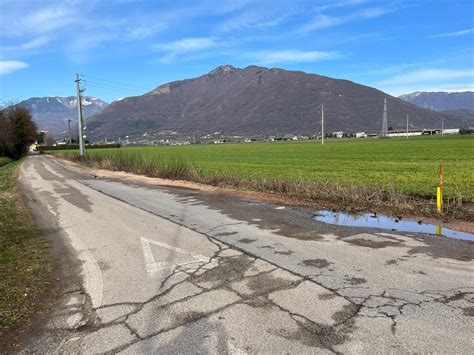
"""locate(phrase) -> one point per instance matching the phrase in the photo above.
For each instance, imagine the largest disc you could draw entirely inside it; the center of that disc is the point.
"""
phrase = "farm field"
(408, 166)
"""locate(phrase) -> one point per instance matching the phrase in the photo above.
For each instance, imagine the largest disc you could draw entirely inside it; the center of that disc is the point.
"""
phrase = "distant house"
(361, 135)
(451, 131)
(338, 134)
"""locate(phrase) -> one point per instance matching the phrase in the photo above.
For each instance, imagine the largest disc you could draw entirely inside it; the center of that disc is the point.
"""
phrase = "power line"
(88, 83)
(116, 82)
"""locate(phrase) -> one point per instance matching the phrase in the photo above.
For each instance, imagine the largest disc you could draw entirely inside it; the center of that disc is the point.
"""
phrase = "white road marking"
(280, 208)
(93, 283)
(152, 266)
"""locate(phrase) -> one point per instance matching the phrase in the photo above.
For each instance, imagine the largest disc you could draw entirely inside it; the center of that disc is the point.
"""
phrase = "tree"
(6, 144)
(17, 132)
(24, 130)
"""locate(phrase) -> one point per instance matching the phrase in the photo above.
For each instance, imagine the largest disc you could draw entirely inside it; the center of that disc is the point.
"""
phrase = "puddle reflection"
(383, 222)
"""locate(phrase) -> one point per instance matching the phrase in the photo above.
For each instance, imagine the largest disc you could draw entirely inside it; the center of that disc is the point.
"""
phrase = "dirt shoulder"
(277, 198)
(27, 285)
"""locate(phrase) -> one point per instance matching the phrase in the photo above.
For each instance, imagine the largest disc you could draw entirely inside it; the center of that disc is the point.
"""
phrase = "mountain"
(257, 101)
(442, 101)
(465, 115)
(50, 113)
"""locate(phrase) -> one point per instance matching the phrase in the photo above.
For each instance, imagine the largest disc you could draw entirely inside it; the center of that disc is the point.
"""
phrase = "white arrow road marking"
(152, 266)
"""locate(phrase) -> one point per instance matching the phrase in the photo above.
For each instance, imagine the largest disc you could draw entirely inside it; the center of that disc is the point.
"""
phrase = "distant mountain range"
(258, 101)
(50, 113)
(252, 102)
(442, 101)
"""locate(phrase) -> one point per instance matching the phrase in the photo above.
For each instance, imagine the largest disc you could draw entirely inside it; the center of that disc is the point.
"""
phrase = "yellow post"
(439, 200)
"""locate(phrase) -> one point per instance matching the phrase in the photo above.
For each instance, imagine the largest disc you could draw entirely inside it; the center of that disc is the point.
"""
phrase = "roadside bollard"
(439, 200)
(439, 190)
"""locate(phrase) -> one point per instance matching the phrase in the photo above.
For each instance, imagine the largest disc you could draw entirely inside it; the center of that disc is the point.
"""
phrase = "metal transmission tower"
(384, 120)
(82, 150)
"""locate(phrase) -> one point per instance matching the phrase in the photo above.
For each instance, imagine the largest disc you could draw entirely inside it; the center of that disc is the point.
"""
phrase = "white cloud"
(253, 19)
(38, 21)
(287, 56)
(30, 45)
(35, 43)
(141, 32)
(454, 34)
(321, 21)
(10, 66)
(339, 4)
(186, 45)
(428, 75)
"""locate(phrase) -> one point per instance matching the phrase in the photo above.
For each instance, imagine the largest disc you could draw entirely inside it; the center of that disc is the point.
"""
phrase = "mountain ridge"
(257, 101)
(441, 100)
(50, 112)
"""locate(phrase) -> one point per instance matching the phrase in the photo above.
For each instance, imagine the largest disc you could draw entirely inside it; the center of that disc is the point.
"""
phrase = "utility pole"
(82, 150)
(68, 120)
(407, 126)
(322, 123)
(384, 119)
(442, 127)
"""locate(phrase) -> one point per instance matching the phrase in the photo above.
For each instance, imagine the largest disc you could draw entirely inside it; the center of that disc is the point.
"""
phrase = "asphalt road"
(150, 269)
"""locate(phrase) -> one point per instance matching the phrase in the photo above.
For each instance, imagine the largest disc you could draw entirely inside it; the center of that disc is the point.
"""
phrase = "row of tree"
(17, 132)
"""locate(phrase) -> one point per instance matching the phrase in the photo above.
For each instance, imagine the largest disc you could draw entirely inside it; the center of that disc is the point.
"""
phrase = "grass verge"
(328, 195)
(4, 161)
(25, 264)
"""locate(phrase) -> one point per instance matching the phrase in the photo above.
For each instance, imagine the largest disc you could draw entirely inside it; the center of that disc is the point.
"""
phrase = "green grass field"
(410, 166)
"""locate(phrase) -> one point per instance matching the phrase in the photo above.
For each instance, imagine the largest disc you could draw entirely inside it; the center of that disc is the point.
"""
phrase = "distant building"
(403, 132)
(338, 134)
(451, 131)
(361, 135)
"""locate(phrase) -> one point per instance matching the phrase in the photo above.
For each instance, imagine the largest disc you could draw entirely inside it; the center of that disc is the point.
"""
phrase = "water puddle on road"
(383, 222)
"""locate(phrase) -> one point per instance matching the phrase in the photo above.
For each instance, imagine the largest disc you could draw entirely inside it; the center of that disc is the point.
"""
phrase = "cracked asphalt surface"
(166, 270)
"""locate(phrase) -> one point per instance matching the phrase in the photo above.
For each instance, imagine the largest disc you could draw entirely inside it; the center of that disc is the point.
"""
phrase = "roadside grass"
(4, 161)
(397, 174)
(25, 265)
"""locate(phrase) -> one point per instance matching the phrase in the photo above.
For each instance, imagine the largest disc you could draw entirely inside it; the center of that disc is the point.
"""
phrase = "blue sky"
(397, 46)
